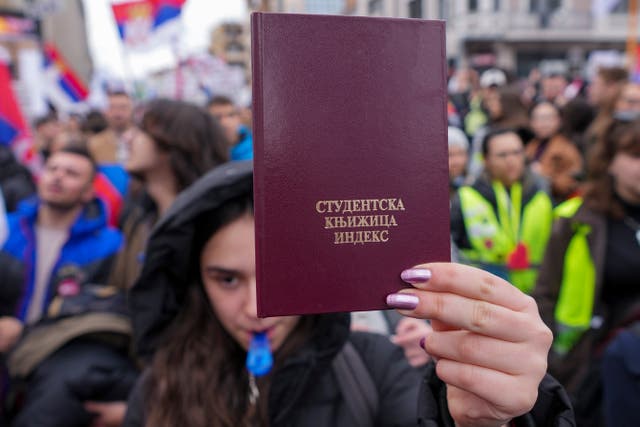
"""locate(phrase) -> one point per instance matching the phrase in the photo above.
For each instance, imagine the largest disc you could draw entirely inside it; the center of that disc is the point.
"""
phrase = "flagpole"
(129, 79)
(128, 72)
(632, 35)
(179, 83)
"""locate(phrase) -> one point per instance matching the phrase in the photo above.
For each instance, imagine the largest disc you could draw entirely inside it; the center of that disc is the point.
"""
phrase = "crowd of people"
(128, 274)
(550, 200)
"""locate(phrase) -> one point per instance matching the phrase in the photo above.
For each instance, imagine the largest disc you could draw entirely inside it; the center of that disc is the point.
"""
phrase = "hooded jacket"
(304, 390)
(85, 257)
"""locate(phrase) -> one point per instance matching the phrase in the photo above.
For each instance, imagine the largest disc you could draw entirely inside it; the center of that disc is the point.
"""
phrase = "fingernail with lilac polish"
(402, 301)
(416, 275)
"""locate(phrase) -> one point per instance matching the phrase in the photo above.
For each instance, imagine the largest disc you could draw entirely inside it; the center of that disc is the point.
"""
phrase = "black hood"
(160, 291)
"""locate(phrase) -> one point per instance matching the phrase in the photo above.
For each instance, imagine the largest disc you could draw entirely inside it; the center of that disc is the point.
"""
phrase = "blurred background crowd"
(544, 167)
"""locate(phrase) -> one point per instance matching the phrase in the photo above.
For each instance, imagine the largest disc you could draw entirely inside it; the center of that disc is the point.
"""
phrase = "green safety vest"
(574, 308)
(494, 238)
(476, 117)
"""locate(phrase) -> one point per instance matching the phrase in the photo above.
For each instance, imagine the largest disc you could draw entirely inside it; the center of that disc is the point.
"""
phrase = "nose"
(251, 307)
(58, 173)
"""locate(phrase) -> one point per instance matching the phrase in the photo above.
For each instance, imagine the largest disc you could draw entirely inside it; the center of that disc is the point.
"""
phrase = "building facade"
(518, 34)
(61, 22)
(231, 42)
(512, 34)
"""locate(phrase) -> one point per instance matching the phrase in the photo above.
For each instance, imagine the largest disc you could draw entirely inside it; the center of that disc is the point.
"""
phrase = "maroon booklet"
(350, 156)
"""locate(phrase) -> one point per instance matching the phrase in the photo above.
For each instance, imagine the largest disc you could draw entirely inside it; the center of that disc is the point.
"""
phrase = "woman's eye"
(227, 281)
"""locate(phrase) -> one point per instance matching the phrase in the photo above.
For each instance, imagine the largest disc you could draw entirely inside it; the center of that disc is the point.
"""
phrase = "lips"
(268, 331)
(54, 188)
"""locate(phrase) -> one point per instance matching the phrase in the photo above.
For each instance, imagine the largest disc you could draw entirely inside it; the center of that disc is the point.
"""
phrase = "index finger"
(467, 281)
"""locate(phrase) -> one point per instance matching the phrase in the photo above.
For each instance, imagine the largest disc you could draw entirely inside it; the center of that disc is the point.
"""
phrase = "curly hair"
(194, 140)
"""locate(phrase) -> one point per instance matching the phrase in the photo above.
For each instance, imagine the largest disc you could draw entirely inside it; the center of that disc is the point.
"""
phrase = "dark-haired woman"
(588, 283)
(194, 311)
(551, 154)
(505, 110)
(174, 144)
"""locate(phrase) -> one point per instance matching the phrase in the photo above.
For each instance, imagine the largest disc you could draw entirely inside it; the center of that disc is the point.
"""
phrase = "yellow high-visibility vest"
(494, 238)
(574, 309)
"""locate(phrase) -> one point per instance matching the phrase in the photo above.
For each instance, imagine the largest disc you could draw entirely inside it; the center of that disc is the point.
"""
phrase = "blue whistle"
(259, 358)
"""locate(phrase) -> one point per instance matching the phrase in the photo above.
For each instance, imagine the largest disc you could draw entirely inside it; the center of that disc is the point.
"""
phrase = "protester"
(502, 222)
(478, 115)
(458, 158)
(239, 137)
(577, 117)
(58, 252)
(587, 287)
(47, 128)
(174, 144)
(465, 94)
(73, 125)
(505, 110)
(405, 332)
(605, 87)
(552, 88)
(93, 123)
(194, 313)
(16, 182)
(551, 153)
(107, 147)
(628, 103)
(603, 93)
(620, 378)
(531, 86)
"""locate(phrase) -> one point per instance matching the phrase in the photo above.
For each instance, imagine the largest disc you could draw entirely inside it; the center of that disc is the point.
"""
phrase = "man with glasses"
(502, 222)
(238, 135)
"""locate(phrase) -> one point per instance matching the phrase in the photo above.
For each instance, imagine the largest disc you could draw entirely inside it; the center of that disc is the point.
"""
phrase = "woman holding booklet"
(213, 362)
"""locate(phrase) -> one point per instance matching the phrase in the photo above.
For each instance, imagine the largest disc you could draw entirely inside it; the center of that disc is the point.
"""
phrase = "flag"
(111, 185)
(143, 23)
(63, 85)
(134, 20)
(166, 11)
(12, 123)
(14, 131)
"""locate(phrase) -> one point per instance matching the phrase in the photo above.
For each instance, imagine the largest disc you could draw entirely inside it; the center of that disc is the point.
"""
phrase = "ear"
(612, 166)
(89, 192)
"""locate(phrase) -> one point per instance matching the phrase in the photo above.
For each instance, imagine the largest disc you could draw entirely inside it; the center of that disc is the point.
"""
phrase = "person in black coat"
(194, 316)
(16, 182)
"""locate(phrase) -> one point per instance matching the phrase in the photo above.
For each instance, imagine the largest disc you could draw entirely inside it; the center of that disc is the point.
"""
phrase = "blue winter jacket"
(243, 150)
(86, 257)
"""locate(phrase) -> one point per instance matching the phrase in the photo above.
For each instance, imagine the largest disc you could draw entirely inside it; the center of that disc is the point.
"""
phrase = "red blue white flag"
(143, 23)
(13, 127)
(64, 88)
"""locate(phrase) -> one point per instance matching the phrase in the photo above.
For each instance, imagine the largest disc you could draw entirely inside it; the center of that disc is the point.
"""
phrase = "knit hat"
(457, 138)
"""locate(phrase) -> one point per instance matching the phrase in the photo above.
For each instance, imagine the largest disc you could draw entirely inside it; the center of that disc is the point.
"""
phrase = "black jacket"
(304, 390)
(16, 181)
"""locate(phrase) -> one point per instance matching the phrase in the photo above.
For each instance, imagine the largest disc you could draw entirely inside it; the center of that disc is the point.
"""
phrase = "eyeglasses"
(504, 154)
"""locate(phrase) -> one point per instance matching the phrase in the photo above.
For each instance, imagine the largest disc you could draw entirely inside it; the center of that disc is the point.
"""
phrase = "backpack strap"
(356, 385)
